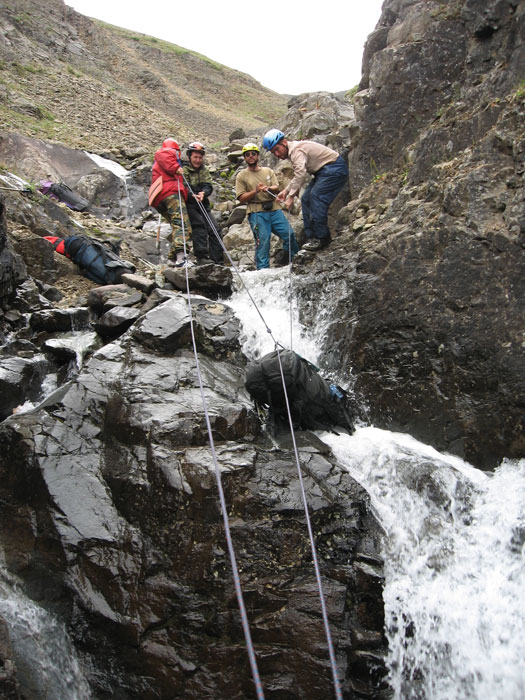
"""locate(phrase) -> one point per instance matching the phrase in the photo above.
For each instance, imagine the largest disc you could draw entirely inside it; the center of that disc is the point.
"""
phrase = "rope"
(211, 224)
(227, 253)
(290, 289)
(337, 686)
(236, 578)
(331, 654)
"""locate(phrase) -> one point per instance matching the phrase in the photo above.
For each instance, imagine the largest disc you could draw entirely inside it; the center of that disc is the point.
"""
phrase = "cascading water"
(270, 292)
(46, 664)
(120, 172)
(454, 542)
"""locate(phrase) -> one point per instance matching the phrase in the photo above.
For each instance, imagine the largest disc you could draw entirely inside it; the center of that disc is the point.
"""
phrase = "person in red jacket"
(166, 183)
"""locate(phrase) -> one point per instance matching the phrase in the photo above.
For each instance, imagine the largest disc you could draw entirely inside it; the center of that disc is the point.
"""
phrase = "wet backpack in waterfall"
(98, 260)
(315, 404)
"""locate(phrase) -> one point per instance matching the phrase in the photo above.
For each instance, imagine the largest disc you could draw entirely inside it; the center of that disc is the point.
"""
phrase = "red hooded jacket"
(167, 161)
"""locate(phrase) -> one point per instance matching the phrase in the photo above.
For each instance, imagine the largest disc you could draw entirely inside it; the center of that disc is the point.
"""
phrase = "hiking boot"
(204, 261)
(314, 244)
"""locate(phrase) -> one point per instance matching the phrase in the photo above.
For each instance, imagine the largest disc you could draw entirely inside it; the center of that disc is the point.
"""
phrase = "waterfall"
(453, 545)
(121, 173)
(270, 291)
(46, 664)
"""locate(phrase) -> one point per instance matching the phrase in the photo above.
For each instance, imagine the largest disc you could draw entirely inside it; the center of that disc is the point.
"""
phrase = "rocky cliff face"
(432, 239)
(111, 518)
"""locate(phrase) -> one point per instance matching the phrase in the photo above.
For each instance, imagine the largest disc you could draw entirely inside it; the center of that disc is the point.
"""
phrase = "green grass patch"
(22, 69)
(46, 128)
(519, 93)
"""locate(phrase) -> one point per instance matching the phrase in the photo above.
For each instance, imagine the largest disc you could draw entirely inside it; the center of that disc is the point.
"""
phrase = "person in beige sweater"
(330, 172)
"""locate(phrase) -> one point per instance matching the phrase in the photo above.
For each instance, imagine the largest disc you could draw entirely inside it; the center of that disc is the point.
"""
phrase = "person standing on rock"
(253, 186)
(330, 173)
(205, 229)
(168, 195)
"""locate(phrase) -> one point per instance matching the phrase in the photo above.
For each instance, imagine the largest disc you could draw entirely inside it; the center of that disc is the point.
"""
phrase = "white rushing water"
(120, 172)
(270, 291)
(454, 539)
(46, 664)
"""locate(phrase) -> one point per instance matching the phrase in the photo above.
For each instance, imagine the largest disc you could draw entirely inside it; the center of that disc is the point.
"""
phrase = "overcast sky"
(290, 47)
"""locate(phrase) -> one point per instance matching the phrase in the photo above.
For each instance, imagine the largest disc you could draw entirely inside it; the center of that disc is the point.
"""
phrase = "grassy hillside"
(90, 85)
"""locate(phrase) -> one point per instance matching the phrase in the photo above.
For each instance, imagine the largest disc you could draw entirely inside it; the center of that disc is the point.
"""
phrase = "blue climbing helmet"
(272, 138)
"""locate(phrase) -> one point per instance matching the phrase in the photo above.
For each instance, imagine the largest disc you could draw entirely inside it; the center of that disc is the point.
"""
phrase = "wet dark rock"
(116, 321)
(167, 328)
(51, 293)
(428, 269)
(108, 489)
(9, 686)
(12, 267)
(28, 297)
(135, 553)
(133, 556)
(59, 320)
(20, 380)
(209, 279)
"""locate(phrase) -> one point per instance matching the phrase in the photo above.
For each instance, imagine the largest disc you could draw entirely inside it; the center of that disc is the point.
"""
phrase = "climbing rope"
(217, 235)
(238, 589)
(331, 654)
(236, 578)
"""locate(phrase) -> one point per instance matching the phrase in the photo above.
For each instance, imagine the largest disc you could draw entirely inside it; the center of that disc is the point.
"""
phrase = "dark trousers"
(205, 242)
(320, 193)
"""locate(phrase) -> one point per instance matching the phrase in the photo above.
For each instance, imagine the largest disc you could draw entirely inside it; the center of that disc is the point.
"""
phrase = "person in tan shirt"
(330, 172)
(257, 187)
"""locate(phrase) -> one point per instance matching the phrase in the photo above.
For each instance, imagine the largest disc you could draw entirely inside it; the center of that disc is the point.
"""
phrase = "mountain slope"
(90, 85)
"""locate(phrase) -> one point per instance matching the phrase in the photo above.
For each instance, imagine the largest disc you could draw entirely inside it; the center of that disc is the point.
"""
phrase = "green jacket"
(200, 181)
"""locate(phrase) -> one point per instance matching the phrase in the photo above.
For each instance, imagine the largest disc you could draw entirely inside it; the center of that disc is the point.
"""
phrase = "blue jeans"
(263, 224)
(320, 193)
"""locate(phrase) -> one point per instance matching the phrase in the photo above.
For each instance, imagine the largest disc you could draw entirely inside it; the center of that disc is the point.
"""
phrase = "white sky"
(290, 48)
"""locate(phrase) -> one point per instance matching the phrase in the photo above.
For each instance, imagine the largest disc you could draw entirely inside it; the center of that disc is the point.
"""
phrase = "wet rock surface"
(114, 522)
(427, 273)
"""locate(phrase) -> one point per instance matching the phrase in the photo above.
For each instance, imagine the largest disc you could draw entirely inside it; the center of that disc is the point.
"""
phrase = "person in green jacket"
(207, 246)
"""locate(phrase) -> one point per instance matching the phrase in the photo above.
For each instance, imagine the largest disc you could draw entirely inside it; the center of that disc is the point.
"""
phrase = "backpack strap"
(154, 190)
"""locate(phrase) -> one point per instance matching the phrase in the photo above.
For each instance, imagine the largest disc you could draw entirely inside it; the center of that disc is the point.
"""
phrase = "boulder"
(117, 470)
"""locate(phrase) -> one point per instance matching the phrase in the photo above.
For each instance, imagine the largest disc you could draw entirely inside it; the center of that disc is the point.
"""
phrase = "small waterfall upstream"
(121, 173)
(454, 538)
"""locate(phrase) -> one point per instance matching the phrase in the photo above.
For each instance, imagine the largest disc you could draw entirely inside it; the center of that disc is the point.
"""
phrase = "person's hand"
(199, 196)
(281, 196)
(180, 171)
(261, 187)
(288, 203)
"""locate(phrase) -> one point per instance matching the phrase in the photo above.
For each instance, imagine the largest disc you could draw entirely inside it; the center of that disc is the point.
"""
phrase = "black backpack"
(65, 194)
(97, 259)
(314, 403)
